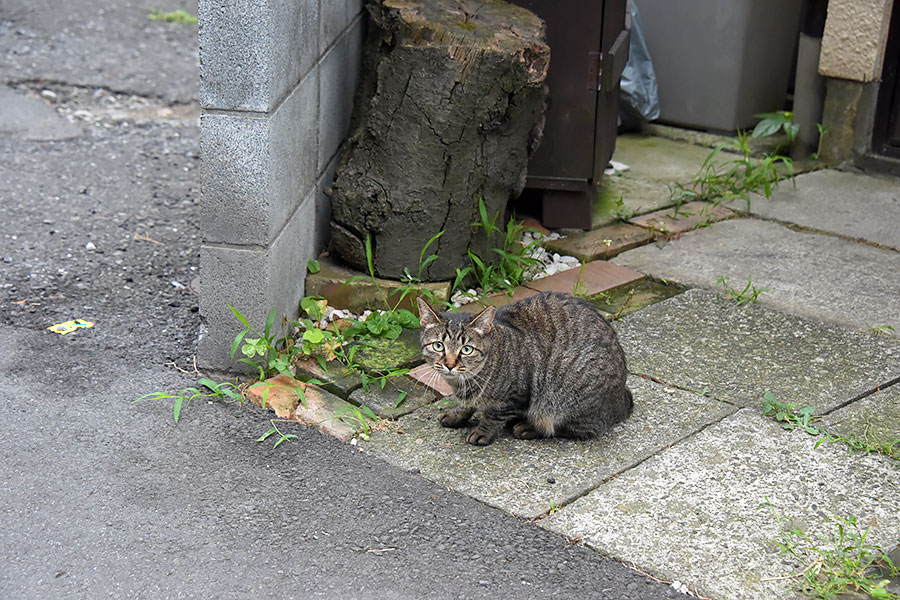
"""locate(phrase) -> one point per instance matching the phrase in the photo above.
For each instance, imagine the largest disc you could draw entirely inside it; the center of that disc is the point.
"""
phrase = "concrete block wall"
(277, 79)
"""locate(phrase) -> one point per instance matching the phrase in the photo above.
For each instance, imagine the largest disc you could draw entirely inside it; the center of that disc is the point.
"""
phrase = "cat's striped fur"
(549, 365)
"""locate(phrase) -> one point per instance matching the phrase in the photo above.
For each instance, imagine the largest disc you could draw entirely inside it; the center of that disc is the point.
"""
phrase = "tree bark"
(449, 109)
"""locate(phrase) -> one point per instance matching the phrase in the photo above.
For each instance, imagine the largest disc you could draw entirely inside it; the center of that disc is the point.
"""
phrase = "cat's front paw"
(480, 437)
(457, 416)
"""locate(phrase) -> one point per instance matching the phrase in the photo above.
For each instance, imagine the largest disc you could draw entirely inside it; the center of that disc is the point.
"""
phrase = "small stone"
(49, 95)
(90, 246)
(551, 480)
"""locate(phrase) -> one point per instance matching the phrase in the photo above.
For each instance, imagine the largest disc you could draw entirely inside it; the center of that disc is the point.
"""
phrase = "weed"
(282, 437)
(625, 304)
(176, 16)
(838, 562)
(774, 122)
(877, 330)
(791, 416)
(823, 131)
(313, 266)
(719, 180)
(358, 418)
(750, 293)
(623, 212)
(225, 390)
(516, 263)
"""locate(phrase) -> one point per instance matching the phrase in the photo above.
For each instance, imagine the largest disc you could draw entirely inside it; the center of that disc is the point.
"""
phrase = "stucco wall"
(855, 36)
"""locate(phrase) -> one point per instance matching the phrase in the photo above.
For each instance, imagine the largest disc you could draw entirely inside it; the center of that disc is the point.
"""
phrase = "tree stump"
(449, 110)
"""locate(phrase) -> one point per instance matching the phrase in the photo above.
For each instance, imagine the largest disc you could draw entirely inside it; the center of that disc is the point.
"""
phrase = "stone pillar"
(277, 79)
(851, 59)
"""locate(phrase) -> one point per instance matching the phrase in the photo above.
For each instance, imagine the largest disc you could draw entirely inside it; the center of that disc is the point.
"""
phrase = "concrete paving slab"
(692, 513)
(630, 298)
(337, 378)
(696, 341)
(876, 417)
(816, 276)
(524, 477)
(400, 396)
(655, 163)
(850, 204)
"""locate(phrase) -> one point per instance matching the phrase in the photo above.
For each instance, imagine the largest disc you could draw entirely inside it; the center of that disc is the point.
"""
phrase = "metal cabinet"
(588, 51)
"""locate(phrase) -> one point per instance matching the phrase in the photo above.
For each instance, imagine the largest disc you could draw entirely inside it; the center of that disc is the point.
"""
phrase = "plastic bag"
(638, 96)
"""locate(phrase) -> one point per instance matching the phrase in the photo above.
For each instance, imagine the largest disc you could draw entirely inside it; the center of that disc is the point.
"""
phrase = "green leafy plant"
(774, 122)
(823, 131)
(273, 430)
(789, 414)
(792, 416)
(750, 293)
(176, 16)
(358, 418)
(722, 178)
(866, 443)
(877, 330)
(222, 391)
(840, 561)
(515, 262)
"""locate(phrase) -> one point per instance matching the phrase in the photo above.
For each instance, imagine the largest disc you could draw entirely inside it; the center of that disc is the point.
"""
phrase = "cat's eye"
(467, 349)
(437, 346)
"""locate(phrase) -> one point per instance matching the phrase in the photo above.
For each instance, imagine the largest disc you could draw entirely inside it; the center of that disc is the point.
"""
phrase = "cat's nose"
(450, 362)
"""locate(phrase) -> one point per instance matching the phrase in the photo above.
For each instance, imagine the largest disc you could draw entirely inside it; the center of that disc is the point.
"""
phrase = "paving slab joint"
(866, 394)
(814, 231)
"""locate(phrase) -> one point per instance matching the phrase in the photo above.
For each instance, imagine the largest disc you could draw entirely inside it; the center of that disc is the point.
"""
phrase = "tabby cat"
(549, 365)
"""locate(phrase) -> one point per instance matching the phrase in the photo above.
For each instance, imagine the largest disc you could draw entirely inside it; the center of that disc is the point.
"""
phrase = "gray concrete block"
(334, 18)
(693, 514)
(253, 52)
(253, 280)
(257, 169)
(338, 78)
(850, 204)
(815, 276)
(526, 477)
(696, 341)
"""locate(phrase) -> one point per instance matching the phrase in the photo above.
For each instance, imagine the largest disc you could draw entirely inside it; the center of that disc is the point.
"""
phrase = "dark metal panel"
(588, 50)
(886, 128)
(574, 28)
(615, 41)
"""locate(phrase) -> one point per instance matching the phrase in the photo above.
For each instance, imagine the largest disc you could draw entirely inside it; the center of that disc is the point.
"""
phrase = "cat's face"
(456, 347)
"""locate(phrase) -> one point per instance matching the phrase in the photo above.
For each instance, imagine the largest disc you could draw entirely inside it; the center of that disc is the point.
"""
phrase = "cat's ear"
(427, 315)
(484, 320)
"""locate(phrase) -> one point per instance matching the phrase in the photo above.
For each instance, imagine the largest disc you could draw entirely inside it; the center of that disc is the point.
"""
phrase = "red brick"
(689, 216)
(499, 299)
(321, 410)
(425, 374)
(596, 277)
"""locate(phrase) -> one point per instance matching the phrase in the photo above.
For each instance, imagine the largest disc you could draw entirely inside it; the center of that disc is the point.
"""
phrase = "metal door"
(588, 50)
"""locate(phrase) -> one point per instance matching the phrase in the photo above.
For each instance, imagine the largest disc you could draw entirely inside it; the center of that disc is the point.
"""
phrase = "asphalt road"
(104, 497)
